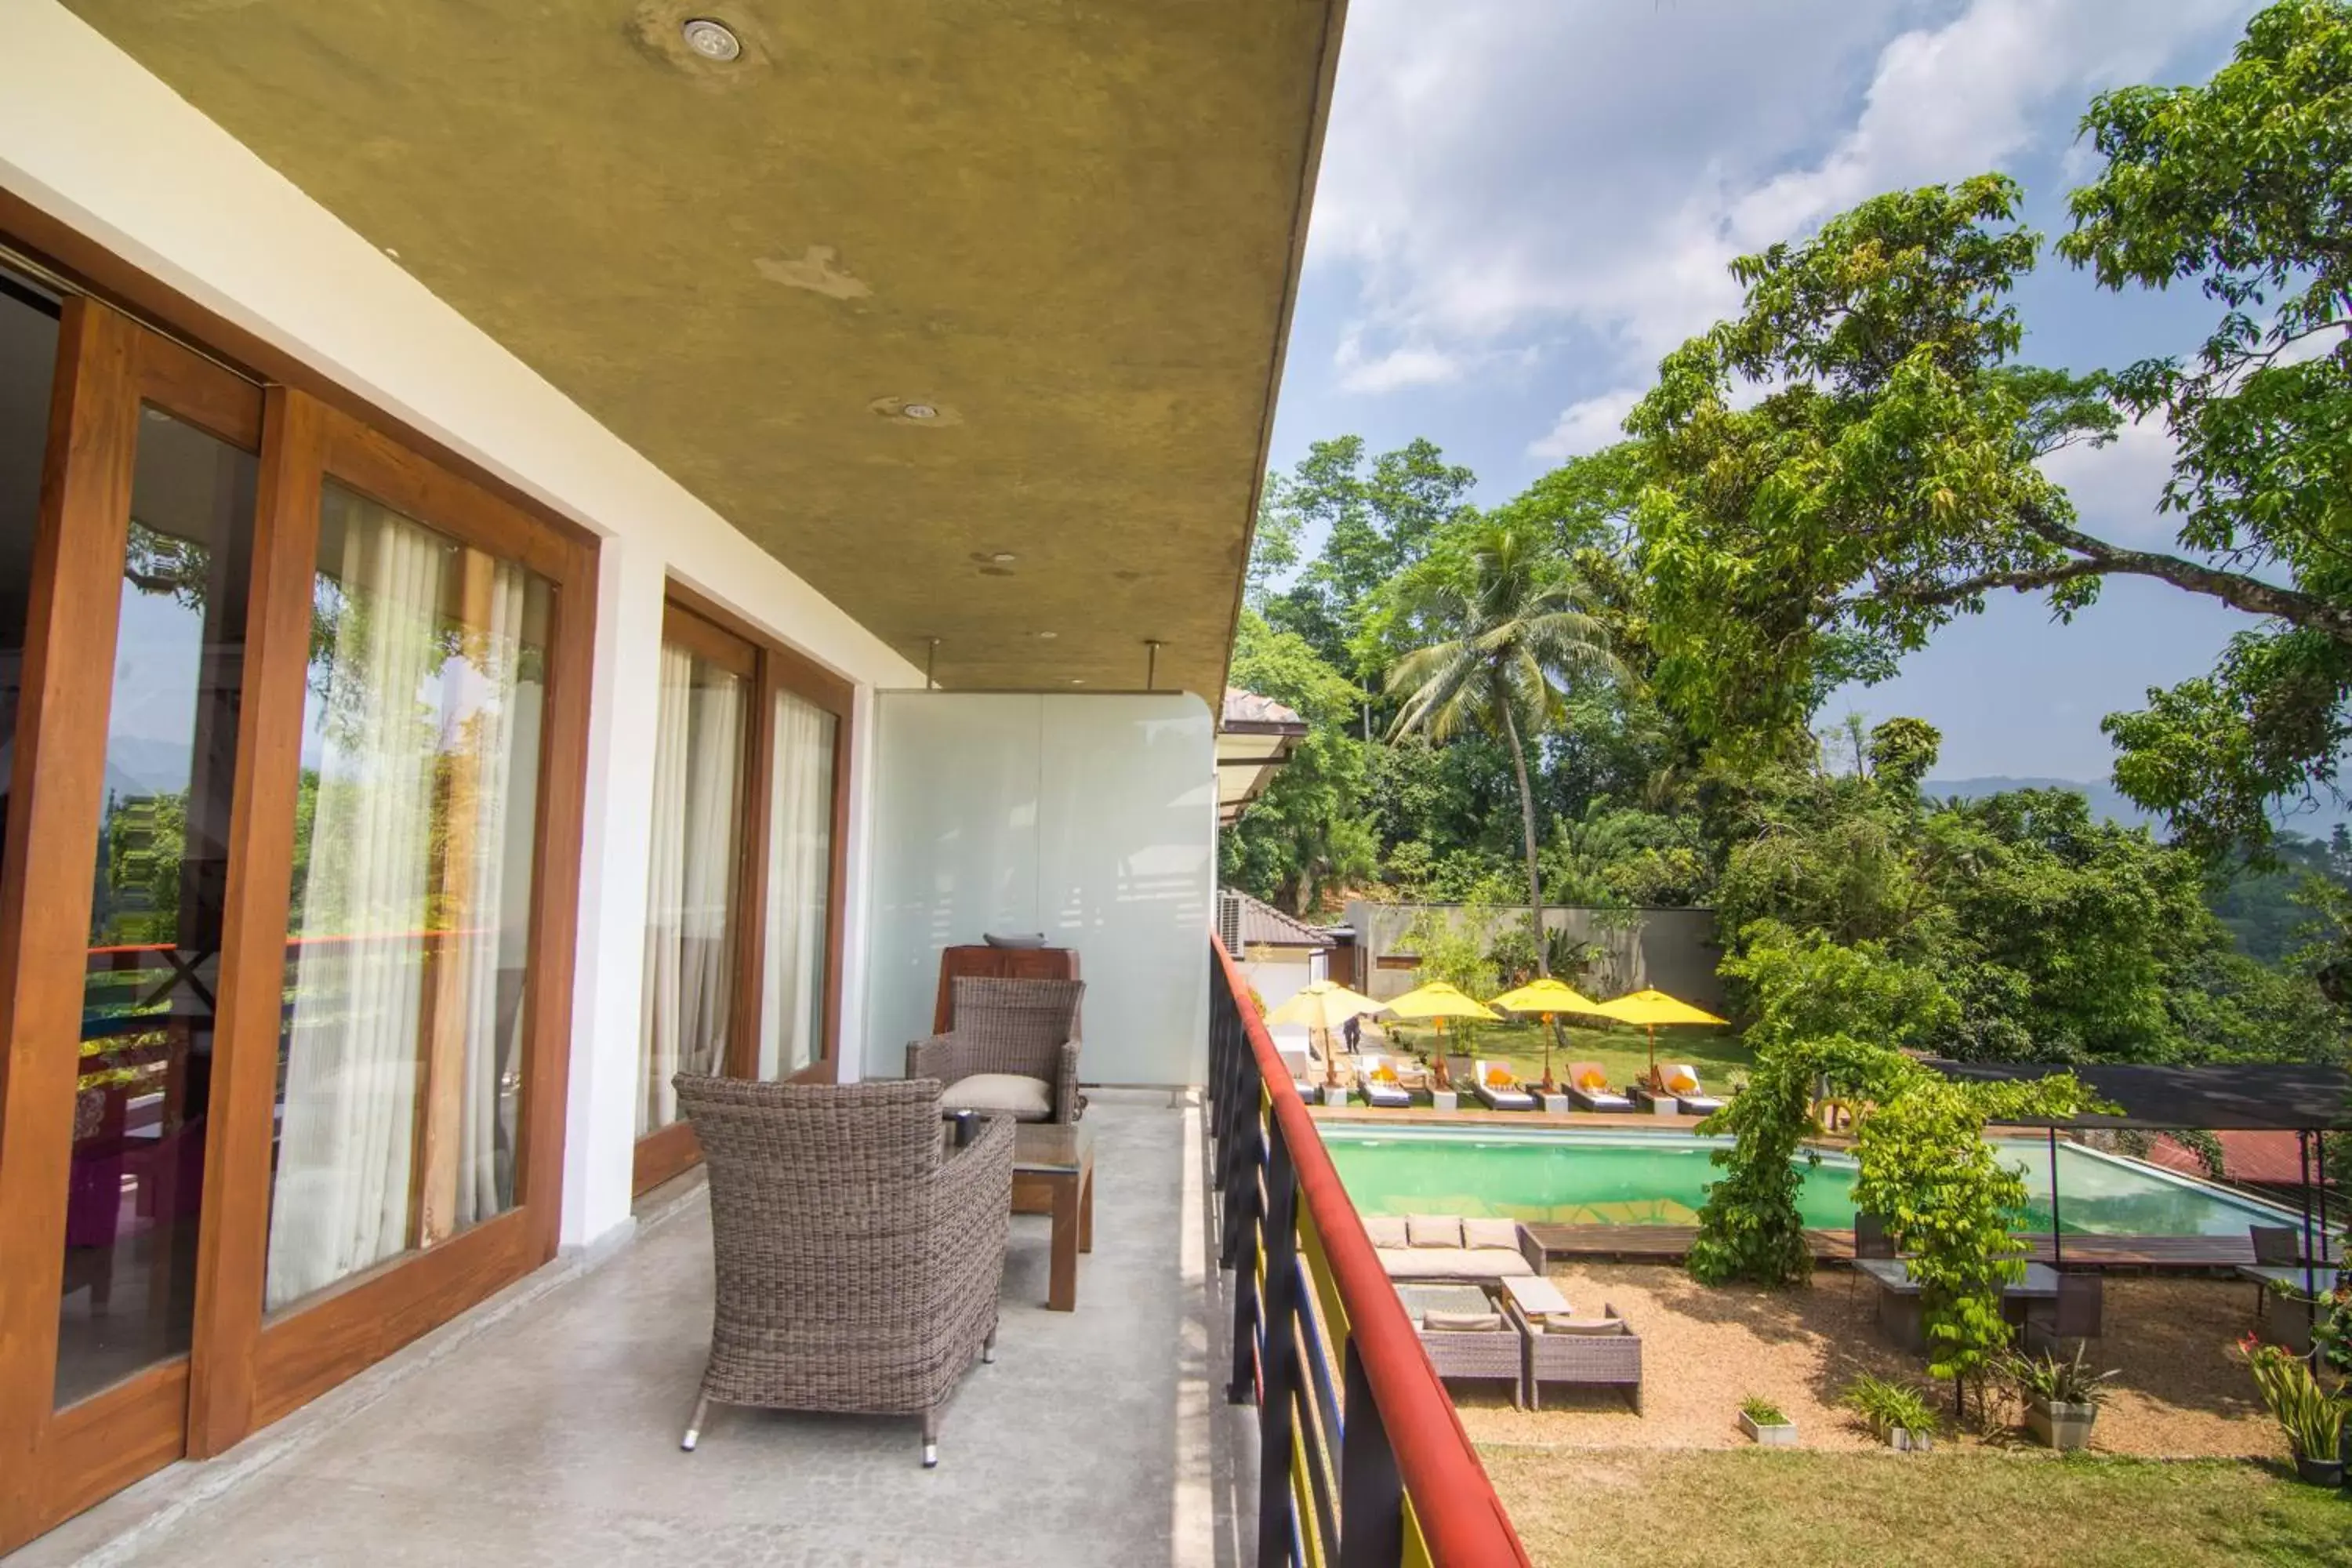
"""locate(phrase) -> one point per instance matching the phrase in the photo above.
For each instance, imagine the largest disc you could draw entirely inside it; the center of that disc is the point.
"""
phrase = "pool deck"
(2105, 1253)
(1479, 1116)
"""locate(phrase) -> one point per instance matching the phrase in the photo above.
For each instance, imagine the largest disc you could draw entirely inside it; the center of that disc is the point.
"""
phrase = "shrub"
(1762, 1411)
(2311, 1418)
(1887, 1406)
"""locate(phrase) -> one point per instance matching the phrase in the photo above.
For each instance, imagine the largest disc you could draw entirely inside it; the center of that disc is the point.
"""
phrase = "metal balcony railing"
(1362, 1461)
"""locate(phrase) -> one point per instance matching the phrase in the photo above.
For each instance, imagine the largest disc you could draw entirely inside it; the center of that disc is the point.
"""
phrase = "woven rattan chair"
(857, 1258)
(1026, 1028)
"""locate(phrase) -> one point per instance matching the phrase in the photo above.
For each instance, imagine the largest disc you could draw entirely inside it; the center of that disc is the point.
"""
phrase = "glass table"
(1054, 1173)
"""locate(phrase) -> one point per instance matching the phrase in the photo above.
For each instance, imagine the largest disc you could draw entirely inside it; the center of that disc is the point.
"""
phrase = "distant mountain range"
(2108, 803)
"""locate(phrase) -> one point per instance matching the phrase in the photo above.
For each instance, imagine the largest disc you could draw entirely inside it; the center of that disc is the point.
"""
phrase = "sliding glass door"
(288, 888)
(744, 911)
(695, 876)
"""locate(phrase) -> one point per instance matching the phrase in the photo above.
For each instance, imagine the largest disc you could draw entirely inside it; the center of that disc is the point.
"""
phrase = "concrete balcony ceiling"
(1071, 230)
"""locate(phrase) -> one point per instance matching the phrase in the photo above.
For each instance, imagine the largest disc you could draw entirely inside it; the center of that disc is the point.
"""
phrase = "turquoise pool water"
(1636, 1178)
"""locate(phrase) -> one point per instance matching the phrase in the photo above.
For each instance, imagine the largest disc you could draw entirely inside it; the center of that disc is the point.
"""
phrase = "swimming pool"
(1639, 1178)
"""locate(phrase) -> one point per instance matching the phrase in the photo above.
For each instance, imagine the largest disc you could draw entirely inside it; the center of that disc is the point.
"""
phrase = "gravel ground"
(2181, 1393)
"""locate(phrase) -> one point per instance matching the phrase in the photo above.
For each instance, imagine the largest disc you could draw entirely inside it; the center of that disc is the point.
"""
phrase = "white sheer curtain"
(412, 719)
(698, 798)
(800, 868)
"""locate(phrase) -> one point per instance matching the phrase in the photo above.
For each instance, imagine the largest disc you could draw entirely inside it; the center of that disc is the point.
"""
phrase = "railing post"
(1372, 1492)
(1276, 1408)
(1242, 1229)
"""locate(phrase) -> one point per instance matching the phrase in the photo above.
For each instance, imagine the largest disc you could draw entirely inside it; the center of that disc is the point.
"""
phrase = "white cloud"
(1400, 367)
(2116, 488)
(1587, 425)
(1504, 175)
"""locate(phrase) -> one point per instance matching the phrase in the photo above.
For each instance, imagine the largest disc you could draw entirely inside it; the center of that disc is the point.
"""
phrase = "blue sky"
(1525, 202)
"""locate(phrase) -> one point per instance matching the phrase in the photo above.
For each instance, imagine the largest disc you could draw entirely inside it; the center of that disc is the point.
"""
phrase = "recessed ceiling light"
(1077, 680)
(1004, 558)
(919, 411)
(712, 40)
(1045, 637)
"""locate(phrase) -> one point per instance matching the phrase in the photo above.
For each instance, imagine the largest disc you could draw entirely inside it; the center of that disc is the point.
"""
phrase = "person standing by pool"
(1352, 1031)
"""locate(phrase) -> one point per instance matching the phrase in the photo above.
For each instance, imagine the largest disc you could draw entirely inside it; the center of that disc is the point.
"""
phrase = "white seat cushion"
(1013, 1094)
(1385, 1229)
(1503, 1232)
(1433, 1230)
(1451, 1263)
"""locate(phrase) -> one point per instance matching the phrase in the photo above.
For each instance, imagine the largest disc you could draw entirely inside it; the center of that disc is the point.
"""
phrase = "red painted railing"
(1408, 1485)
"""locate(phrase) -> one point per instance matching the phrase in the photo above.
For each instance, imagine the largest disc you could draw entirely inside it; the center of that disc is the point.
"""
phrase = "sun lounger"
(1379, 1090)
(1588, 1086)
(1302, 1073)
(1681, 1080)
(1505, 1096)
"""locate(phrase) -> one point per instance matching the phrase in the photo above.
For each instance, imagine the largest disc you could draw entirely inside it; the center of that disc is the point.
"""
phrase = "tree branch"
(2235, 589)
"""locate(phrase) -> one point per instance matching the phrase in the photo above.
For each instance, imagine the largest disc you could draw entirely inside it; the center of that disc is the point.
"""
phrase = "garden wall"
(1674, 949)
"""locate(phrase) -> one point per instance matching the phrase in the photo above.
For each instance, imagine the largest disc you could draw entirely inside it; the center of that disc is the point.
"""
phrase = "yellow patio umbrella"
(1545, 998)
(1434, 1002)
(1650, 1009)
(1324, 1006)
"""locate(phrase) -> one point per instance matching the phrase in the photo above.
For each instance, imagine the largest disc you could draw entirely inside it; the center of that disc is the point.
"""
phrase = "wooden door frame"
(56, 1461)
(708, 627)
(270, 1365)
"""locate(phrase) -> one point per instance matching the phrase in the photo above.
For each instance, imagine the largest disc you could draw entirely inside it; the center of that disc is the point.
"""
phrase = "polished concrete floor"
(550, 1435)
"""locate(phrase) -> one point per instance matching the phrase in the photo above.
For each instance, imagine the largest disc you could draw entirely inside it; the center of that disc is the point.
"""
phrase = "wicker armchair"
(1008, 1030)
(857, 1258)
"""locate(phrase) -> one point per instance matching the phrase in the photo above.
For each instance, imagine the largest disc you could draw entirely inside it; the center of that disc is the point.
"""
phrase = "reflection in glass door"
(144, 1084)
(798, 887)
(696, 867)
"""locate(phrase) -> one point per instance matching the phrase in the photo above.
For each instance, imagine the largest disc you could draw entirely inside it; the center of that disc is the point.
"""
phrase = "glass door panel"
(139, 1114)
(798, 889)
(402, 1056)
(693, 876)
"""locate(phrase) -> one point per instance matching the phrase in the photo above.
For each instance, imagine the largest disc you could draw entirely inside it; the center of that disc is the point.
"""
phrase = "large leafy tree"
(1308, 834)
(1374, 519)
(1888, 478)
(1520, 636)
(2238, 186)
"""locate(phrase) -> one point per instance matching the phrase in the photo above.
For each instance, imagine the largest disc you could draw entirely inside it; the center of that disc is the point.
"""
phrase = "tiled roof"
(2270, 1159)
(1249, 708)
(1250, 922)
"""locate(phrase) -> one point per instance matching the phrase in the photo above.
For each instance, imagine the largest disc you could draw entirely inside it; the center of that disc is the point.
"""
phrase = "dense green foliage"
(1607, 691)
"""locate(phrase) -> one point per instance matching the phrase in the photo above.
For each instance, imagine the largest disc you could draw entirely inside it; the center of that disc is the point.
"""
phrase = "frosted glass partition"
(1092, 819)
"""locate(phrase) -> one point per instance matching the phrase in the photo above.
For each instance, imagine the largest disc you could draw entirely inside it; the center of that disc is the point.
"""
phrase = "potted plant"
(2062, 1396)
(2311, 1416)
(1766, 1423)
(1895, 1413)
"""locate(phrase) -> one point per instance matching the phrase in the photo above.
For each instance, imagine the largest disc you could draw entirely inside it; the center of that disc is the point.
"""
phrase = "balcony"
(545, 1427)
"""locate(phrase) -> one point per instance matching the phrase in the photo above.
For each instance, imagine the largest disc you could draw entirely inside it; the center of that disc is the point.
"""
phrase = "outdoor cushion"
(1491, 1233)
(1537, 1295)
(1462, 1322)
(1498, 1077)
(1592, 1080)
(1433, 1230)
(1585, 1325)
(1007, 1093)
(1451, 1263)
(1682, 1080)
(1385, 1229)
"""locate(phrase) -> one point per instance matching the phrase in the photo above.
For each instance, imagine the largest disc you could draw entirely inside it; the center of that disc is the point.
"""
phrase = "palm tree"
(1521, 635)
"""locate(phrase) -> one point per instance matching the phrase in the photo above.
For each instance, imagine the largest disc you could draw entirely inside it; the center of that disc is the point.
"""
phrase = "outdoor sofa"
(1446, 1247)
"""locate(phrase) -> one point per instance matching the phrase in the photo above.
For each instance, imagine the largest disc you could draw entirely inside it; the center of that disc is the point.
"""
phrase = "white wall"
(90, 137)
(1091, 819)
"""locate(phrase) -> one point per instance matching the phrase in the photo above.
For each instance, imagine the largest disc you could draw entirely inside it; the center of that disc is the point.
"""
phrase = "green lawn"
(1724, 1509)
(1716, 1052)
